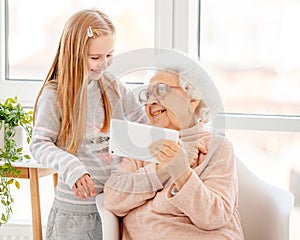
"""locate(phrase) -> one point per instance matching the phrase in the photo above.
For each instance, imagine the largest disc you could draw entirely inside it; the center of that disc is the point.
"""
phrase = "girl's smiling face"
(175, 109)
(100, 53)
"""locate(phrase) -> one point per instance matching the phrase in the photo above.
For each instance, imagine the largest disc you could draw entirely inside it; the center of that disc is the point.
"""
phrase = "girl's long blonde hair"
(69, 75)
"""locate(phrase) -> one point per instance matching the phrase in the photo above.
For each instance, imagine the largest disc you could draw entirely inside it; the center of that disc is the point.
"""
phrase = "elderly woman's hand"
(193, 149)
(171, 156)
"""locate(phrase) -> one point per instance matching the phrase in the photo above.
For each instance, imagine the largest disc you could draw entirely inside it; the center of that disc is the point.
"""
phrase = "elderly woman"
(192, 192)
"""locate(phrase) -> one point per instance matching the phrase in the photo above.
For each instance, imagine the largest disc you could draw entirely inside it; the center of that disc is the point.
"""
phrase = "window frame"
(175, 28)
(11, 88)
(184, 34)
(257, 122)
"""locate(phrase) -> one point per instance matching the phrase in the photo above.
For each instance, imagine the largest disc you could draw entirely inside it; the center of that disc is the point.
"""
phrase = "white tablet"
(129, 139)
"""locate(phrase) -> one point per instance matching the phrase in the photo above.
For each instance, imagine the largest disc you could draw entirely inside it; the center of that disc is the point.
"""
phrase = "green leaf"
(17, 184)
(3, 218)
(10, 181)
(10, 100)
(14, 158)
(27, 156)
(5, 165)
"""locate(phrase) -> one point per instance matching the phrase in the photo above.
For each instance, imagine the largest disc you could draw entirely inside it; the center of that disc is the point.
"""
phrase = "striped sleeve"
(134, 111)
(43, 144)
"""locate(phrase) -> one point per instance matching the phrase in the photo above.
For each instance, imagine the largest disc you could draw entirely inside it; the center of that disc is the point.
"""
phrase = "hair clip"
(90, 32)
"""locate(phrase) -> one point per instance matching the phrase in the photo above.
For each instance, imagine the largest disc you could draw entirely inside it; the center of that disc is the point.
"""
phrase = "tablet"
(130, 139)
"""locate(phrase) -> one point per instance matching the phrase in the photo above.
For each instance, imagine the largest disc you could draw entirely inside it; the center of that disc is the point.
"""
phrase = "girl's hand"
(84, 187)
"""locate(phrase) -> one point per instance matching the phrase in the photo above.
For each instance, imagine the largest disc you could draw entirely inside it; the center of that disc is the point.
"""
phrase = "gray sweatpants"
(73, 222)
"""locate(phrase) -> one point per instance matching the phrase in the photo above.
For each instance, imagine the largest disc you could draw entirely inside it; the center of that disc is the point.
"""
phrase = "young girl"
(71, 123)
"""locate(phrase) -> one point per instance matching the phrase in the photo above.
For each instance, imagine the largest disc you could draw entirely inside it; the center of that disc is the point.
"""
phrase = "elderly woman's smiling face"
(174, 109)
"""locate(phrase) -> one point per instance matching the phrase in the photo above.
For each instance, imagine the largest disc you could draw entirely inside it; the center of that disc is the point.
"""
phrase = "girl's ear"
(194, 103)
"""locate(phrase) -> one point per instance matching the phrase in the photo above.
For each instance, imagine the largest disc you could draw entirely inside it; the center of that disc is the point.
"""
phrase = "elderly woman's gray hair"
(186, 81)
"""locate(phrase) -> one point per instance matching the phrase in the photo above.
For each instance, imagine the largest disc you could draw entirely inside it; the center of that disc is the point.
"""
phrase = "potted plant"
(12, 117)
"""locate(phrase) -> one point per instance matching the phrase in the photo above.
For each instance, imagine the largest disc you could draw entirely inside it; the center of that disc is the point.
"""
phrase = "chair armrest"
(110, 222)
(264, 209)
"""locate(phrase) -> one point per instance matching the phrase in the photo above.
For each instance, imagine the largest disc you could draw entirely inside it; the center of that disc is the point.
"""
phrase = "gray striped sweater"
(92, 157)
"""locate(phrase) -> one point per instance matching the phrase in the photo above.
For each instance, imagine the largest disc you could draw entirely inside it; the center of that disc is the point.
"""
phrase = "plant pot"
(19, 136)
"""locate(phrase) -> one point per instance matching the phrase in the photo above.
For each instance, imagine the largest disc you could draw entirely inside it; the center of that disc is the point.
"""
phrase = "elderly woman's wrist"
(183, 178)
(162, 174)
(177, 167)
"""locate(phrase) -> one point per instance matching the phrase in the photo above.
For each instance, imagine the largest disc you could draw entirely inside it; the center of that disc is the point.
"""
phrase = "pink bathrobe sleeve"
(207, 202)
(130, 185)
(212, 196)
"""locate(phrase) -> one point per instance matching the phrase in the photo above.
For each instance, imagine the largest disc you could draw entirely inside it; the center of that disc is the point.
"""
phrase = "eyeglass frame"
(167, 87)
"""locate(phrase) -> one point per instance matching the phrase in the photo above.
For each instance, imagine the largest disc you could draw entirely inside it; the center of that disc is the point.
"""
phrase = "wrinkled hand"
(84, 187)
(171, 156)
(165, 151)
(193, 149)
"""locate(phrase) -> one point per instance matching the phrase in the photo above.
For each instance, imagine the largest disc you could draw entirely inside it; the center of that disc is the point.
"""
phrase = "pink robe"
(205, 208)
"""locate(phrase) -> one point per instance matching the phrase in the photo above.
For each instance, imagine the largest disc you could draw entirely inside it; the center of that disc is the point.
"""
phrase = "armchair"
(264, 209)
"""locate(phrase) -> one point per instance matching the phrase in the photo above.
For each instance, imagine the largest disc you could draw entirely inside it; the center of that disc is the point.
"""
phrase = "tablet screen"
(129, 139)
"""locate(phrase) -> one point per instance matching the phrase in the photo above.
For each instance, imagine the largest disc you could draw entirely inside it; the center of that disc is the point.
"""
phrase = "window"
(32, 44)
(250, 49)
(29, 38)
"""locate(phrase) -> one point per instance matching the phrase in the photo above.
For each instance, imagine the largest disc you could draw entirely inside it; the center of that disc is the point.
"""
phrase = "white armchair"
(264, 209)
(110, 222)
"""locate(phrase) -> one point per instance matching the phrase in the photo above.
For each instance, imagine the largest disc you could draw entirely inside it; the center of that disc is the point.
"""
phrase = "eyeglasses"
(159, 91)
